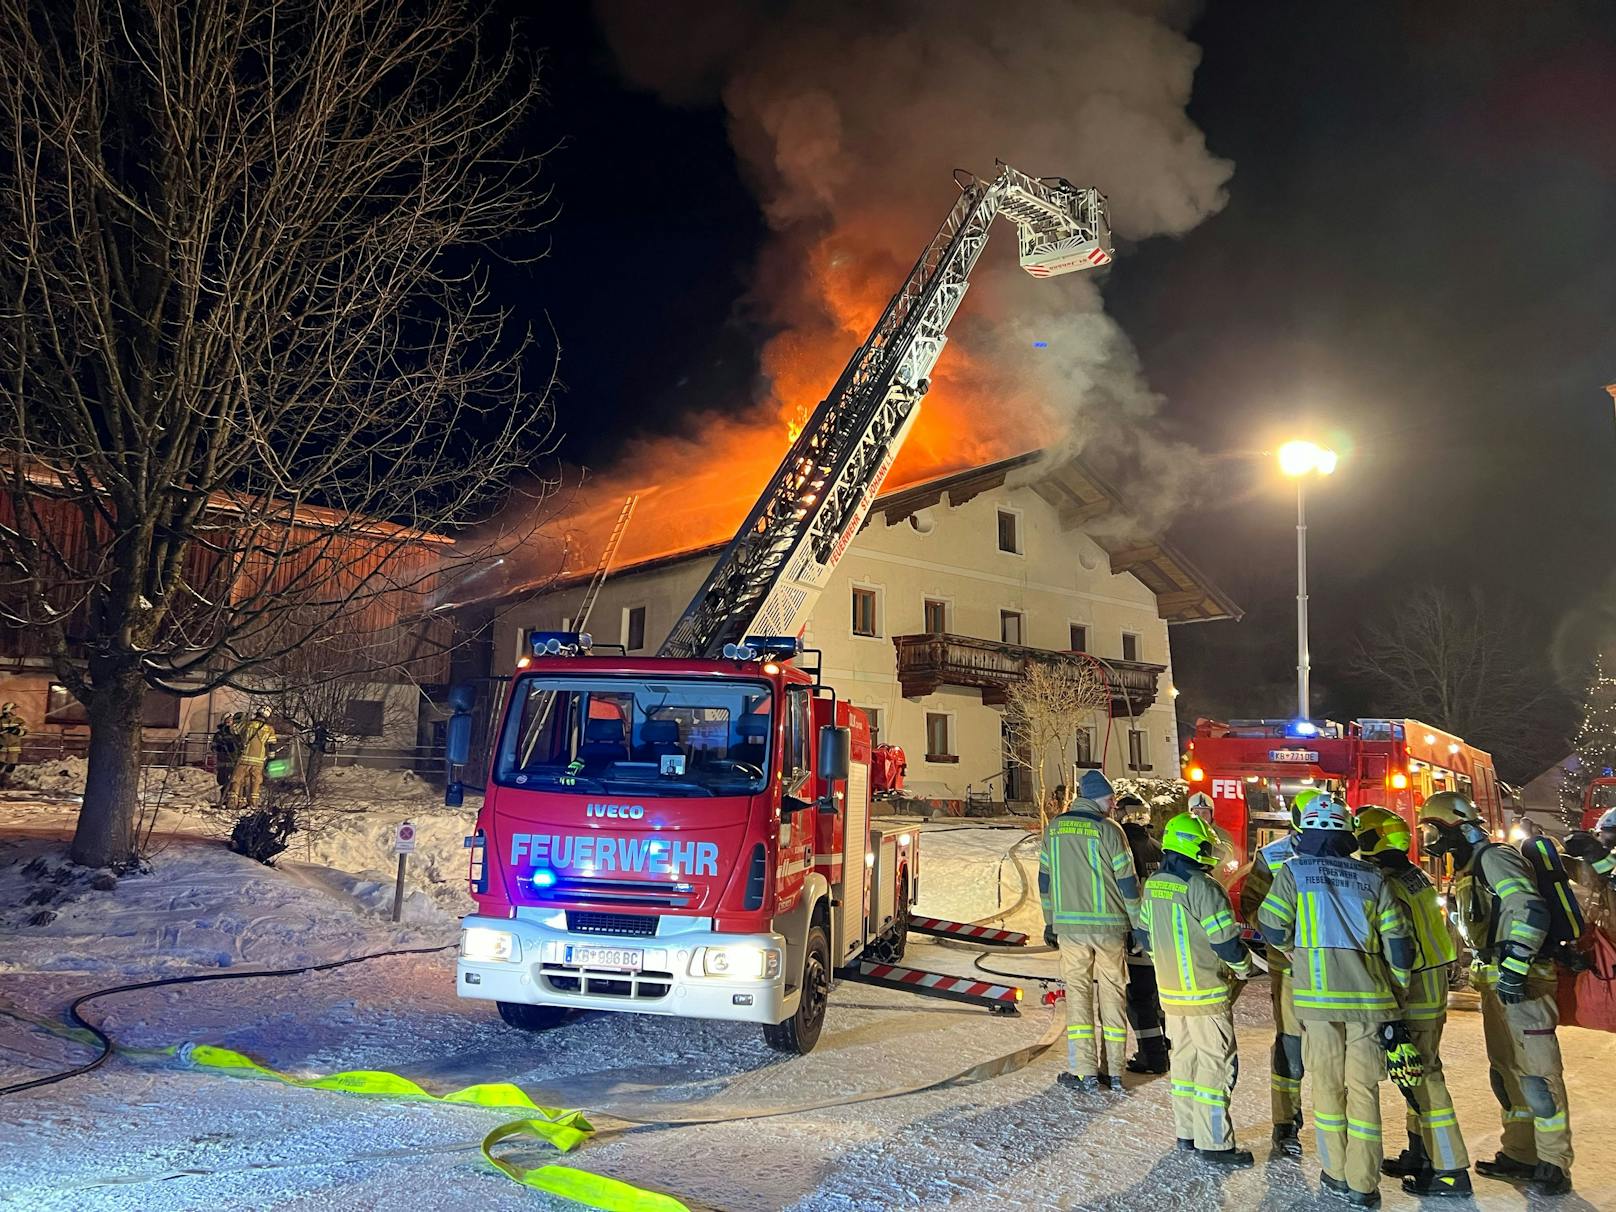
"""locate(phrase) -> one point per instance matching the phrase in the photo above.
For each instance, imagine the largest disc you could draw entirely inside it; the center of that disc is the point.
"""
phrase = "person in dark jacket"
(1144, 1002)
(226, 746)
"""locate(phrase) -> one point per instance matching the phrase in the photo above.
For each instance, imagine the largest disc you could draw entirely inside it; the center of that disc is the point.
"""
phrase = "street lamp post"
(1298, 460)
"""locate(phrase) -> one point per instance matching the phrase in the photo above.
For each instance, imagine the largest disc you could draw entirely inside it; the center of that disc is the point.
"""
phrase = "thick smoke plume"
(847, 118)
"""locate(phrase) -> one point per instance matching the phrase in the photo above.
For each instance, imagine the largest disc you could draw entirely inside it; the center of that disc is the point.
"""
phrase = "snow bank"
(362, 843)
(969, 874)
(179, 785)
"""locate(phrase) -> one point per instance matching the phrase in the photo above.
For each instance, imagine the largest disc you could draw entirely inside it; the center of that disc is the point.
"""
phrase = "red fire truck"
(690, 834)
(1252, 769)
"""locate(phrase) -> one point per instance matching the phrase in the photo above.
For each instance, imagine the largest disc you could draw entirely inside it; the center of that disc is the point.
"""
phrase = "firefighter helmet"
(1200, 802)
(1326, 812)
(1446, 819)
(1379, 829)
(262, 713)
(1300, 801)
(1190, 836)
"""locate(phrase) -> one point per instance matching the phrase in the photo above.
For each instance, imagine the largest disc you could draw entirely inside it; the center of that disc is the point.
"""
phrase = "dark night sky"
(1415, 260)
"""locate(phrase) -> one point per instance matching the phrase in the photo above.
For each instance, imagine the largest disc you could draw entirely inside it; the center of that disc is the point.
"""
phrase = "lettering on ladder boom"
(594, 853)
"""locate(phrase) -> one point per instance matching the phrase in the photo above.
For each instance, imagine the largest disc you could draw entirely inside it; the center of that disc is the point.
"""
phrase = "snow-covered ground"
(149, 1134)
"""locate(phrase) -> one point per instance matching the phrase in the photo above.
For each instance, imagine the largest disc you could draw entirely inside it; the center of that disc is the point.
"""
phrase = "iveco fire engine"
(691, 834)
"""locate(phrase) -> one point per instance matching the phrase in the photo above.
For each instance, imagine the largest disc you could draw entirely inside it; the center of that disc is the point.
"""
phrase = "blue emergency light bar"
(1302, 728)
(759, 647)
(554, 643)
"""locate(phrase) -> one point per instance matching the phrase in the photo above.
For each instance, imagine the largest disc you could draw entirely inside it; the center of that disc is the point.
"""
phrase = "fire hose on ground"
(564, 1130)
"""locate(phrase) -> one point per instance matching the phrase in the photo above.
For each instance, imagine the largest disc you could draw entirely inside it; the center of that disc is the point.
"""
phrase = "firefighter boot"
(1149, 1060)
(1287, 1140)
(1409, 1162)
(1549, 1180)
(1228, 1159)
(1506, 1167)
(1454, 1183)
(1337, 1188)
(1083, 1085)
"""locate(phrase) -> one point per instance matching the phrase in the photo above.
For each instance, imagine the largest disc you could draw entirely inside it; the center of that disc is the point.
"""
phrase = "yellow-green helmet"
(1300, 801)
(1380, 829)
(1189, 835)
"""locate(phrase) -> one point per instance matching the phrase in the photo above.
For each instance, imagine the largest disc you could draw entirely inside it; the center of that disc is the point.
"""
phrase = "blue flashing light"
(1302, 728)
(1040, 344)
(543, 878)
(760, 647)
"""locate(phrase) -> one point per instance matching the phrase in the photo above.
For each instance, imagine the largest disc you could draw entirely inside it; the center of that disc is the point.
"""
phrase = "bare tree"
(1044, 711)
(249, 369)
(1457, 661)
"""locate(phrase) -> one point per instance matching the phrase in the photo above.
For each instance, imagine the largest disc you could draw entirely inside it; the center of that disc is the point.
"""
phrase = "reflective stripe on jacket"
(1185, 917)
(1086, 880)
(1498, 905)
(1254, 890)
(256, 740)
(1434, 948)
(1347, 934)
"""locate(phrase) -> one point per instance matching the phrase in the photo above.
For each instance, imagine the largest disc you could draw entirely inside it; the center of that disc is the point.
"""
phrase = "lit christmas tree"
(1595, 743)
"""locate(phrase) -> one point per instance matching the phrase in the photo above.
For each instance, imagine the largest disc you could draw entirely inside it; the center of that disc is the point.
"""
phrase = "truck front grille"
(643, 986)
(635, 925)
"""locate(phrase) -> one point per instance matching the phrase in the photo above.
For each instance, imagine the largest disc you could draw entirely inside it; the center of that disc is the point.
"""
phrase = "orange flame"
(694, 492)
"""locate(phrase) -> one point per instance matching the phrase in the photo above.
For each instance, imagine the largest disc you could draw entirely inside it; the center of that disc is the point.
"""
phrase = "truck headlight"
(483, 946)
(743, 961)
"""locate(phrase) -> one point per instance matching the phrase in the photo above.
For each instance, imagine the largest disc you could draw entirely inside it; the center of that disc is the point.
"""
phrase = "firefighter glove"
(1584, 845)
(1049, 937)
(1403, 1063)
(1512, 971)
(1141, 941)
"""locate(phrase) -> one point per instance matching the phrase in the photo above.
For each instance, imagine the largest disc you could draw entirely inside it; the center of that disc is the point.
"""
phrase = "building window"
(1083, 749)
(1009, 532)
(1079, 638)
(634, 628)
(1138, 749)
(864, 612)
(936, 616)
(363, 717)
(940, 737)
(873, 714)
(1010, 626)
(1130, 646)
(158, 708)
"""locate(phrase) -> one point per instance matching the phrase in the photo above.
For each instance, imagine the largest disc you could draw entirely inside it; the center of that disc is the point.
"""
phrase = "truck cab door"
(797, 815)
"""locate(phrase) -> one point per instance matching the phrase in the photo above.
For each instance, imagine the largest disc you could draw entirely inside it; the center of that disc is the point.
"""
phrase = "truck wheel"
(531, 1018)
(799, 1033)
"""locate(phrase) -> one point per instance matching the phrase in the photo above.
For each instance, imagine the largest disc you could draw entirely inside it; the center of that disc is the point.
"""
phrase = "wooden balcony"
(927, 662)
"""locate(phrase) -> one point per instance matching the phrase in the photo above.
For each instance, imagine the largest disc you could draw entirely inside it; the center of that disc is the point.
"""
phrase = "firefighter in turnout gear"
(1090, 897)
(1194, 943)
(1436, 1161)
(1350, 950)
(1285, 1077)
(13, 731)
(1144, 1005)
(1506, 924)
(257, 739)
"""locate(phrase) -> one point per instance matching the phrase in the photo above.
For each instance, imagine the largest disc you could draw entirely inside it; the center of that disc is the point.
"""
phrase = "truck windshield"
(673, 737)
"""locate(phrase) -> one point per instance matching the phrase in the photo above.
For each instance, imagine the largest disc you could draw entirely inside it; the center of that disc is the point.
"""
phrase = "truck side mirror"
(457, 739)
(835, 752)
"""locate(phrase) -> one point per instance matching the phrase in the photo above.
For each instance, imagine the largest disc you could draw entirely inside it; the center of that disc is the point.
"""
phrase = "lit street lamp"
(1299, 460)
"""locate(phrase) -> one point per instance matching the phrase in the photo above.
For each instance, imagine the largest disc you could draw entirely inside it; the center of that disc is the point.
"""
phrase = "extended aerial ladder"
(768, 579)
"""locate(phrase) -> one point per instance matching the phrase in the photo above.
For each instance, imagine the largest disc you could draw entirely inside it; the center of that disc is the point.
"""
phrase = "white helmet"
(1606, 823)
(5, 707)
(262, 713)
(1200, 803)
(1327, 812)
